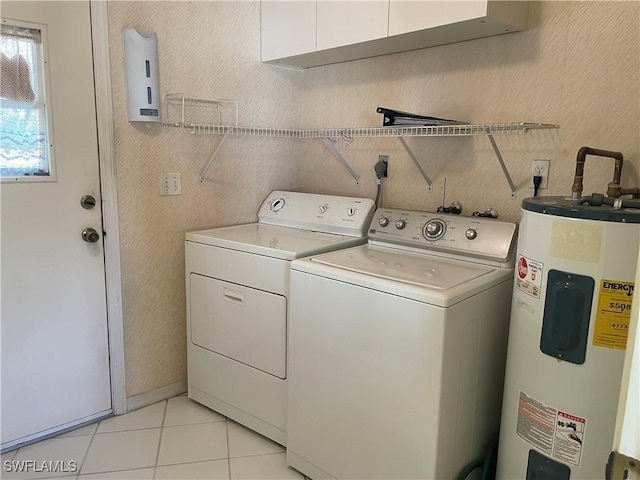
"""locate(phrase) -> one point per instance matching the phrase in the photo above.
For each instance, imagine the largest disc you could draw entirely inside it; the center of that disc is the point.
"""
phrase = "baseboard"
(155, 396)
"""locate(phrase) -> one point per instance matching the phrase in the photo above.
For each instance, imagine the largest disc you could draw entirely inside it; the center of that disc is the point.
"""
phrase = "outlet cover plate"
(540, 167)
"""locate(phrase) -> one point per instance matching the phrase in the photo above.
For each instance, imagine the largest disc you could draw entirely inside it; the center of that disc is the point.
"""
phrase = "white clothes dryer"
(237, 281)
(397, 348)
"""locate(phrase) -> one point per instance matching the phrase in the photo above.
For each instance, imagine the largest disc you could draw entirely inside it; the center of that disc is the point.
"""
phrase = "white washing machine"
(237, 281)
(397, 348)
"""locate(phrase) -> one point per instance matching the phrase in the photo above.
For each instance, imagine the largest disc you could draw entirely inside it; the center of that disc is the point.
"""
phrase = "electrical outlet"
(170, 184)
(385, 159)
(541, 168)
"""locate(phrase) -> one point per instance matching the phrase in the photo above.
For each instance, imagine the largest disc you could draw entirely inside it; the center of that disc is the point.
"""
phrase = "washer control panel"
(322, 213)
(478, 237)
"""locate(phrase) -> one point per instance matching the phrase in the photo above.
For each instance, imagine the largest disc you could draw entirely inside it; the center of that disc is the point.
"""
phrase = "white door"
(55, 362)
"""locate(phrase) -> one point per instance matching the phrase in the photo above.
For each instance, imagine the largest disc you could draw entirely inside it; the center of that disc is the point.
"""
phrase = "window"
(25, 149)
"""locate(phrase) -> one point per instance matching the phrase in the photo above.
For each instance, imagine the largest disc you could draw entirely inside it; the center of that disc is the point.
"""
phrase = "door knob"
(88, 202)
(90, 235)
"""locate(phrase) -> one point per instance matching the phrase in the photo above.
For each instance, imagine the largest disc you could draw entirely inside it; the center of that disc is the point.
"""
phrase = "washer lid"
(407, 267)
(273, 241)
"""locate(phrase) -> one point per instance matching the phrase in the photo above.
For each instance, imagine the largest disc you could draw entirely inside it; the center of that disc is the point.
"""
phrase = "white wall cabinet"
(341, 23)
(345, 30)
(411, 16)
(288, 28)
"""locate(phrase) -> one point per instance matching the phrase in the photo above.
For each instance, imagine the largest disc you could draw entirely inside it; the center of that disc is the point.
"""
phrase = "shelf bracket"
(332, 146)
(504, 167)
(212, 159)
(417, 164)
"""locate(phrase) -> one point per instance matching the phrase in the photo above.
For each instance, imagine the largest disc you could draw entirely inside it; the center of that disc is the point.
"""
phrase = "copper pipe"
(576, 189)
(616, 191)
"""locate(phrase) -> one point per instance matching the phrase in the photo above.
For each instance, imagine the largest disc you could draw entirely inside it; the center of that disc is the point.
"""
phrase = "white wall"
(206, 50)
(577, 65)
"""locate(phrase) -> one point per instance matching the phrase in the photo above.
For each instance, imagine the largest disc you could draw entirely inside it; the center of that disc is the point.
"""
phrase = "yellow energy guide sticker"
(614, 311)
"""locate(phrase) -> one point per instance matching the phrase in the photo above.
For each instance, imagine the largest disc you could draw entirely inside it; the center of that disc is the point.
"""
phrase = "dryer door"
(242, 323)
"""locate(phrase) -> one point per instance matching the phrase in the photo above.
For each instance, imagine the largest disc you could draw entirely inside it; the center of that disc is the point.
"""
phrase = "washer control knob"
(277, 205)
(383, 221)
(351, 211)
(400, 224)
(434, 229)
(471, 233)
(323, 208)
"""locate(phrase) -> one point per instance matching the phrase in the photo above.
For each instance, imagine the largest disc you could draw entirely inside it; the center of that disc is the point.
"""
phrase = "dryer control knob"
(383, 221)
(277, 205)
(400, 224)
(323, 208)
(351, 211)
(471, 233)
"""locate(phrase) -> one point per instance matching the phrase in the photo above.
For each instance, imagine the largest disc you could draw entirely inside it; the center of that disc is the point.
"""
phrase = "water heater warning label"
(614, 311)
(555, 433)
(529, 276)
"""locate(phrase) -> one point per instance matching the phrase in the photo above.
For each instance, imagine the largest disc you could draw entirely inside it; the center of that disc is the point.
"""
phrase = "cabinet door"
(288, 28)
(347, 22)
(410, 15)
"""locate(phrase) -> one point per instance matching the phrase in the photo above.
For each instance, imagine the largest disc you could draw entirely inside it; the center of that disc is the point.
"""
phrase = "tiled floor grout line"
(13, 452)
(182, 463)
(86, 454)
(116, 471)
(149, 428)
(164, 416)
(185, 424)
(258, 455)
(226, 428)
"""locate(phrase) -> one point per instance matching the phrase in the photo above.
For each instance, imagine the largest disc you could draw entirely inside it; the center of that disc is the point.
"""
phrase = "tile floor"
(173, 439)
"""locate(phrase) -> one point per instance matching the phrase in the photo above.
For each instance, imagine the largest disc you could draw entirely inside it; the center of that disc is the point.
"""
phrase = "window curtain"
(24, 149)
(17, 82)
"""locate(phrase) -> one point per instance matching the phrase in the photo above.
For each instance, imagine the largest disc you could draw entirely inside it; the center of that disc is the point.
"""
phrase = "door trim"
(109, 194)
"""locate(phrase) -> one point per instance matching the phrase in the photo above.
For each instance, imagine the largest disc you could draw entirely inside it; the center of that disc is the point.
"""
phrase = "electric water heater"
(571, 310)
(141, 74)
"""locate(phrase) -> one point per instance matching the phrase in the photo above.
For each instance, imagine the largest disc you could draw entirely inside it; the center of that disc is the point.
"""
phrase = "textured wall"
(206, 50)
(577, 65)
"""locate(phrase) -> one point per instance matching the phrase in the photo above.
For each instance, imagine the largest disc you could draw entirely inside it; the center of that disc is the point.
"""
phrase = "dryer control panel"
(321, 213)
(470, 237)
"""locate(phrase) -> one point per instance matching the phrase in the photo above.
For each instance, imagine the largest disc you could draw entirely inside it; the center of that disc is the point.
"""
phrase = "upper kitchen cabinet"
(341, 22)
(426, 23)
(349, 30)
(288, 28)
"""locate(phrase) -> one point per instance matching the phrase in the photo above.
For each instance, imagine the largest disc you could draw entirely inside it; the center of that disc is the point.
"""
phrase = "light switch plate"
(170, 184)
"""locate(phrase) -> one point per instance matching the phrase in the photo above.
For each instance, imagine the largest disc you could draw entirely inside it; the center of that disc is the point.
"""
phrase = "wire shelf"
(220, 117)
(199, 111)
(370, 132)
